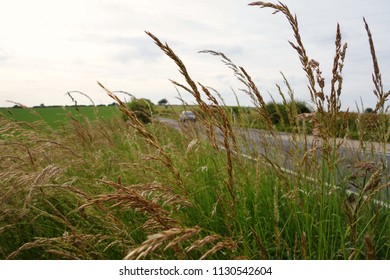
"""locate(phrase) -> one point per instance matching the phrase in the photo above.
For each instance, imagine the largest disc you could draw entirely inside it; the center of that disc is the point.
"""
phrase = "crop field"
(97, 183)
(58, 116)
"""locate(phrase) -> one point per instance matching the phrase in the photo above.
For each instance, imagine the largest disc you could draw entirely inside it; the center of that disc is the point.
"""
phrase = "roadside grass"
(61, 200)
(109, 189)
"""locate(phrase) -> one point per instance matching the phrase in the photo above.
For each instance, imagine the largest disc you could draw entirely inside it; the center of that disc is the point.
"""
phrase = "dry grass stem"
(174, 235)
(228, 244)
(198, 244)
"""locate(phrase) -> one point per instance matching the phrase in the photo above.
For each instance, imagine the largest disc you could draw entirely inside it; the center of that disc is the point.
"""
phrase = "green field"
(360, 126)
(57, 116)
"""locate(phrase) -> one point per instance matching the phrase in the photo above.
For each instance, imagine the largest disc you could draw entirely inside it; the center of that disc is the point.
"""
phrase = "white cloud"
(50, 47)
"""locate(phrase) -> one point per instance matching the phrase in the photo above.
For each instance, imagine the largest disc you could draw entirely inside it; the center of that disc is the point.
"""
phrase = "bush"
(143, 109)
(279, 112)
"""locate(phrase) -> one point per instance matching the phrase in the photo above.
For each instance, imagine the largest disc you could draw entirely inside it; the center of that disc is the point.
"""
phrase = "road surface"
(257, 138)
(255, 142)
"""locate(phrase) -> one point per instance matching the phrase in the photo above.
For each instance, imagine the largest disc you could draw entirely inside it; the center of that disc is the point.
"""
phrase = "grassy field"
(362, 126)
(99, 187)
(59, 116)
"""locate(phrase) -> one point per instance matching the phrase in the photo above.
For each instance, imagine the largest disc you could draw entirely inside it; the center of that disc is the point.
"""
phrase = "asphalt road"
(255, 142)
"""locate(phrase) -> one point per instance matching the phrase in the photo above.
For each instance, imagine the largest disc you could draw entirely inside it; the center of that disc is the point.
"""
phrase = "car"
(187, 116)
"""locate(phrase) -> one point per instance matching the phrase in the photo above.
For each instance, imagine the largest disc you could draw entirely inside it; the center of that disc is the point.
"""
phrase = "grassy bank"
(107, 190)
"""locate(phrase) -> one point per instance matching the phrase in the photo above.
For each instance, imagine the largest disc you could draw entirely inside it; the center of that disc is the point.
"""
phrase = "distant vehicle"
(187, 116)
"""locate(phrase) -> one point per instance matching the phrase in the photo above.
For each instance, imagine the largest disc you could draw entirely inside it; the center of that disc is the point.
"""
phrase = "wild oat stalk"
(380, 94)
(314, 75)
(251, 88)
(316, 96)
(325, 123)
(155, 192)
(333, 100)
(228, 134)
(48, 172)
(315, 79)
(227, 243)
(192, 89)
(174, 236)
(149, 138)
(128, 199)
(215, 115)
(367, 178)
(376, 76)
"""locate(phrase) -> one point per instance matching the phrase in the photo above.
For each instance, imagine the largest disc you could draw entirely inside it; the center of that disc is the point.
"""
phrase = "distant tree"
(163, 102)
(42, 105)
(279, 112)
(143, 109)
(368, 110)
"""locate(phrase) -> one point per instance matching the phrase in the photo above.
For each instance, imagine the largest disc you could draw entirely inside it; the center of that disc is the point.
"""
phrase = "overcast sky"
(50, 47)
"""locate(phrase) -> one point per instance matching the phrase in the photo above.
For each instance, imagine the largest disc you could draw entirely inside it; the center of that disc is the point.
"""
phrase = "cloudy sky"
(50, 47)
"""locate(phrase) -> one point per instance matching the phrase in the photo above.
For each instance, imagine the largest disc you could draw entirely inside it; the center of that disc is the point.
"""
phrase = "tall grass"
(109, 189)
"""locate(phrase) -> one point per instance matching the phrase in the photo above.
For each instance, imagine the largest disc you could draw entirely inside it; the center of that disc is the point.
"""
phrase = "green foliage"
(163, 102)
(143, 109)
(279, 112)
